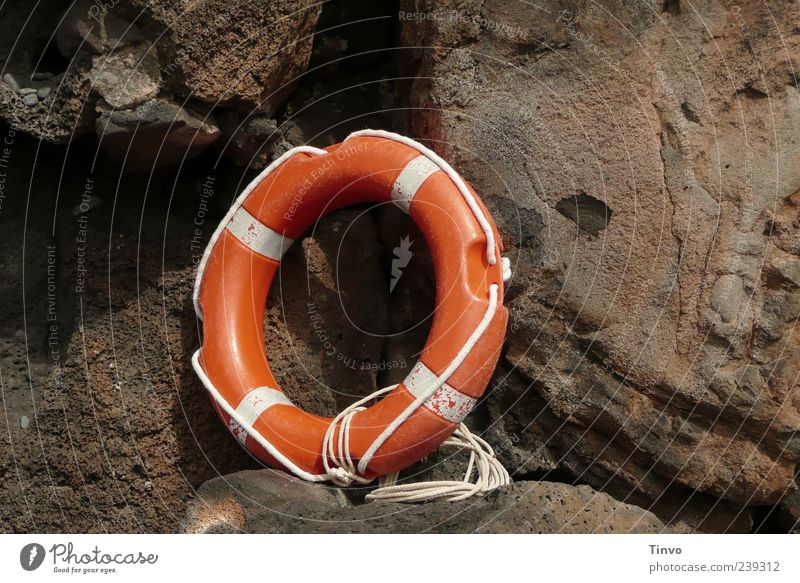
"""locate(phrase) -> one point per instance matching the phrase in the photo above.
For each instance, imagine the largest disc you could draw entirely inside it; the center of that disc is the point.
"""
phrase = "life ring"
(467, 331)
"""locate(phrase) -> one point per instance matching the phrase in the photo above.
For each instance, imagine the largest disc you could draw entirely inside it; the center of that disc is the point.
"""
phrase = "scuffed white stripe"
(446, 401)
(259, 400)
(260, 238)
(411, 178)
(201, 269)
(239, 432)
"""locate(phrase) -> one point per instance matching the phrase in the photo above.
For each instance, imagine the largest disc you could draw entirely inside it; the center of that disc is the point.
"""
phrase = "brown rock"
(246, 55)
(646, 338)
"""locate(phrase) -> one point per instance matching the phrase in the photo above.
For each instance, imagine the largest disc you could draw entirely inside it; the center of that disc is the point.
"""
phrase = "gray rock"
(269, 501)
(27, 91)
(30, 100)
(44, 92)
(157, 133)
(127, 77)
(24, 422)
(9, 80)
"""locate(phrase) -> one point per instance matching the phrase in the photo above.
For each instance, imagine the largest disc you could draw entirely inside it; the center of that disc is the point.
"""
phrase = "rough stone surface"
(242, 54)
(28, 56)
(662, 349)
(255, 140)
(268, 501)
(93, 26)
(157, 133)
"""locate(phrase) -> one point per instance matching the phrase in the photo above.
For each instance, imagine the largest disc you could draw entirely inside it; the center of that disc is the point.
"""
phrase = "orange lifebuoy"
(467, 331)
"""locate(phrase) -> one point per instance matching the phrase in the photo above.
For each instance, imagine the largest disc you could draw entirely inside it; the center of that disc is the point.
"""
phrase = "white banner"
(456, 558)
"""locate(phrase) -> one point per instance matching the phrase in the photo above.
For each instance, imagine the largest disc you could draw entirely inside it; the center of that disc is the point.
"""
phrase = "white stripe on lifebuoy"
(411, 178)
(446, 401)
(259, 237)
(259, 400)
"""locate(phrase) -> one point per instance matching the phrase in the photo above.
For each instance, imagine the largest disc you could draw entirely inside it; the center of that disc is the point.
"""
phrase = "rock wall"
(640, 159)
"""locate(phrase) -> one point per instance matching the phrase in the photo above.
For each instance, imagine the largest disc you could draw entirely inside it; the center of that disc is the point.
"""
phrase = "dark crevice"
(751, 92)
(557, 475)
(689, 113)
(590, 214)
(769, 520)
(51, 62)
(672, 7)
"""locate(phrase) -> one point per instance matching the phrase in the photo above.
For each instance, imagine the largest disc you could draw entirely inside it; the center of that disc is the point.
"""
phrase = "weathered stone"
(157, 133)
(243, 56)
(128, 77)
(246, 55)
(644, 343)
(269, 501)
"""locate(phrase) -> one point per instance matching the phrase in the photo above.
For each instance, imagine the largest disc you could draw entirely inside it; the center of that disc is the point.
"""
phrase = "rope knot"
(340, 476)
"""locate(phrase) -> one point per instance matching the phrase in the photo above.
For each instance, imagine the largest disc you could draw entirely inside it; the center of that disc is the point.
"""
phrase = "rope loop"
(489, 474)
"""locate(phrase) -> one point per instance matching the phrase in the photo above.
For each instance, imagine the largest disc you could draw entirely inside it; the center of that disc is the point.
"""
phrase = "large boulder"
(269, 501)
(639, 162)
(157, 133)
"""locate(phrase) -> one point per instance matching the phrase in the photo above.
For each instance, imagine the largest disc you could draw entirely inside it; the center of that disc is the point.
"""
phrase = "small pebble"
(11, 82)
(24, 422)
(27, 91)
(41, 76)
(43, 92)
(30, 100)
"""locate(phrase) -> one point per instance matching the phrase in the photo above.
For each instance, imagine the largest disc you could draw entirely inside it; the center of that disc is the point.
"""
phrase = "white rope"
(340, 468)
(489, 474)
(452, 174)
(451, 368)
